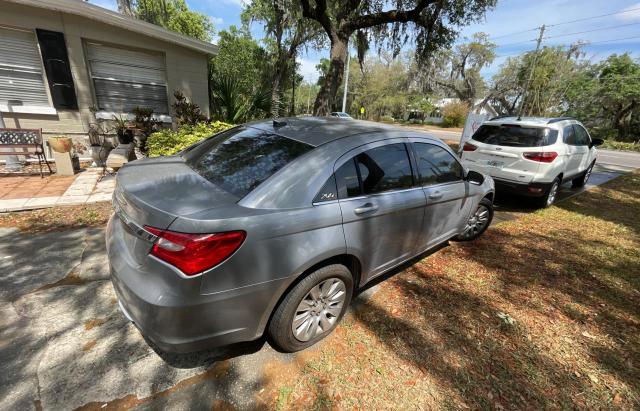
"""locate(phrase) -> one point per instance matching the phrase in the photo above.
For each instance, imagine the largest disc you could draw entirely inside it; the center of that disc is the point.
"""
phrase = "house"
(59, 59)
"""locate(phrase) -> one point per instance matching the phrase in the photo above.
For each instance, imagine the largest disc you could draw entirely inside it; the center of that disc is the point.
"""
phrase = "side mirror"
(474, 177)
(597, 142)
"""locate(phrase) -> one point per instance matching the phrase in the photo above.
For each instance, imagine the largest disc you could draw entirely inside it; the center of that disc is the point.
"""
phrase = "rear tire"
(550, 196)
(582, 180)
(478, 222)
(312, 309)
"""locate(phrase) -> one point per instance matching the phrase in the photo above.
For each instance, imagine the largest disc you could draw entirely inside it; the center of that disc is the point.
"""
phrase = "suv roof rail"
(558, 119)
(500, 116)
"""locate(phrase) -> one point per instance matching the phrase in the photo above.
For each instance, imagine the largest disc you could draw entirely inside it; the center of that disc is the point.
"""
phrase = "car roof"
(317, 131)
(552, 122)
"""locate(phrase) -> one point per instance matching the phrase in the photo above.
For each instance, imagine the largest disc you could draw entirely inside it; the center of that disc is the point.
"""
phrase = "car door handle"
(367, 208)
(435, 196)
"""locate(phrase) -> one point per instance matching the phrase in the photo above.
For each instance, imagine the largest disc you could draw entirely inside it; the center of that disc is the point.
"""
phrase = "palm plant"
(231, 106)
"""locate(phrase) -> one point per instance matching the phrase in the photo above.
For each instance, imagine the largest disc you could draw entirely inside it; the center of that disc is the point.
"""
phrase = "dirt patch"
(541, 312)
(58, 218)
(96, 322)
(217, 371)
(89, 345)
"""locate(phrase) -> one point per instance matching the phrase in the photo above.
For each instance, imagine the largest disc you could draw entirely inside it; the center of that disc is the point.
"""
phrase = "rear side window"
(569, 135)
(384, 168)
(582, 137)
(347, 180)
(242, 158)
(515, 135)
(436, 165)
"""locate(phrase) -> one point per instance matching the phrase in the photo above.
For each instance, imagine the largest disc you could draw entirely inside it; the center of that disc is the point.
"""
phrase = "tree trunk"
(329, 89)
(275, 91)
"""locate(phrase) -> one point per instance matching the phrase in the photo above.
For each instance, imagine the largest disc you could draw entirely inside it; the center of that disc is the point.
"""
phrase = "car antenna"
(277, 123)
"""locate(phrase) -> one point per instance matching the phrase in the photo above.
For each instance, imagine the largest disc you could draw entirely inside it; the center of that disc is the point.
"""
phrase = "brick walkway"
(26, 193)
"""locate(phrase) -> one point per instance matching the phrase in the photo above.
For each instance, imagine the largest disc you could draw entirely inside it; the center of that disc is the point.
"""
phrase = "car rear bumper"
(529, 190)
(170, 311)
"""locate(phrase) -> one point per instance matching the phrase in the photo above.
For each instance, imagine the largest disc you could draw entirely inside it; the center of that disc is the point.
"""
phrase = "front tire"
(312, 309)
(478, 222)
(582, 180)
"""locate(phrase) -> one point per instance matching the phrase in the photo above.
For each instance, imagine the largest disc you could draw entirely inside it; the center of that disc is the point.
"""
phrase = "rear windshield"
(238, 160)
(515, 136)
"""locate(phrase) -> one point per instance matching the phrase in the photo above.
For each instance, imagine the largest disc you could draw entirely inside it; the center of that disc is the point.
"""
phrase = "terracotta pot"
(60, 144)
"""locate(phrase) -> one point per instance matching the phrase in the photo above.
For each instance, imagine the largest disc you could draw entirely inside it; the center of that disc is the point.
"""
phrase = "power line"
(611, 40)
(591, 31)
(566, 22)
(594, 17)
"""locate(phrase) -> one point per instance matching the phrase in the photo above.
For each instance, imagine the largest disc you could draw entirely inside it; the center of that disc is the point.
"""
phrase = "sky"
(512, 24)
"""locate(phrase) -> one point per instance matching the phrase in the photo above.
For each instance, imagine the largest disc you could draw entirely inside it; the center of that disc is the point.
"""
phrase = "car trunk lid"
(154, 192)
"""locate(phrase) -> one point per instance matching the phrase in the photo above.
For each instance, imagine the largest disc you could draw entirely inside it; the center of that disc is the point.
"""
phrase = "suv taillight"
(194, 253)
(542, 157)
(469, 147)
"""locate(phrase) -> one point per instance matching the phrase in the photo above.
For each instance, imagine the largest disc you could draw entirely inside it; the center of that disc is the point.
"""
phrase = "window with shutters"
(21, 78)
(124, 79)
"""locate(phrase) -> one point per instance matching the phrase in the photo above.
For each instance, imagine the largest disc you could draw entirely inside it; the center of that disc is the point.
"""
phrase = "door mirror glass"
(597, 142)
(474, 177)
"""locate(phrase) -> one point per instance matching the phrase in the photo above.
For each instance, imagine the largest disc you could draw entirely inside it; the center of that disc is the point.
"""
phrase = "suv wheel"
(550, 197)
(312, 309)
(582, 180)
(478, 222)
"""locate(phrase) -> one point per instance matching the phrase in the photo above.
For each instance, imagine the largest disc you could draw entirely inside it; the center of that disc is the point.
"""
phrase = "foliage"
(186, 112)
(145, 123)
(554, 68)
(454, 114)
(239, 81)
(167, 142)
(621, 145)
(390, 25)
(286, 33)
(173, 15)
(232, 106)
(457, 71)
(606, 97)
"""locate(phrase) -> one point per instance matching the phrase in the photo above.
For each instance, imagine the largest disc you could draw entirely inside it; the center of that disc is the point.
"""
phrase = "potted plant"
(124, 133)
(100, 147)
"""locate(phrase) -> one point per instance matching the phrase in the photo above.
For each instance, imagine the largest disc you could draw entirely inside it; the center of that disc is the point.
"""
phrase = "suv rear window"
(238, 160)
(515, 136)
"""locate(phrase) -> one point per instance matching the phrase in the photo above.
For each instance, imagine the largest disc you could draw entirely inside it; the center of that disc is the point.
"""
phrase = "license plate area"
(495, 164)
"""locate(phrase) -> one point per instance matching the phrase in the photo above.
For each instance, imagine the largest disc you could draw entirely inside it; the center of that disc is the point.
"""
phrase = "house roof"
(91, 11)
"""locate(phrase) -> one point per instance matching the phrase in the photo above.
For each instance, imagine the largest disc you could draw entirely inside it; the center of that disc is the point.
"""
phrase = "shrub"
(454, 114)
(168, 142)
(186, 112)
(621, 145)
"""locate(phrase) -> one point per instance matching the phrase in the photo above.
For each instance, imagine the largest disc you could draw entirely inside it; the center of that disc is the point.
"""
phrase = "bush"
(387, 119)
(168, 142)
(454, 114)
(621, 145)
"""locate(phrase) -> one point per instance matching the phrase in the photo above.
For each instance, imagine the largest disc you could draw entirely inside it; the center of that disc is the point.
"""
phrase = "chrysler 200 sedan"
(273, 226)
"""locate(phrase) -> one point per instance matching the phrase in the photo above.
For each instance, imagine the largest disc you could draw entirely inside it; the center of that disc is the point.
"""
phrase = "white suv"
(532, 156)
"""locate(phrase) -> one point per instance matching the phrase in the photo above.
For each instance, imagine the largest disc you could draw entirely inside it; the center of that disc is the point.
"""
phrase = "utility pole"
(309, 96)
(533, 68)
(346, 83)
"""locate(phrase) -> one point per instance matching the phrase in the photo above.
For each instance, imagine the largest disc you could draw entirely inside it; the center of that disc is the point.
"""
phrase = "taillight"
(195, 253)
(469, 147)
(542, 157)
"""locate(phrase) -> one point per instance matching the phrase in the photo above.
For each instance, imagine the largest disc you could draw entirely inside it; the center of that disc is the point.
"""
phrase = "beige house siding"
(186, 69)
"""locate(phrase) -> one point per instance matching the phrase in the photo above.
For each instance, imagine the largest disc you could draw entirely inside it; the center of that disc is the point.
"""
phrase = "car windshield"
(515, 135)
(238, 160)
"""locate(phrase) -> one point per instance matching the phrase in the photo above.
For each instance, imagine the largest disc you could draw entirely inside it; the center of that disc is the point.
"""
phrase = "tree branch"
(390, 16)
(319, 14)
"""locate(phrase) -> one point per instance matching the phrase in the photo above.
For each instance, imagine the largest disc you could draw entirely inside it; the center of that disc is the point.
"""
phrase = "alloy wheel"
(553, 191)
(319, 310)
(477, 222)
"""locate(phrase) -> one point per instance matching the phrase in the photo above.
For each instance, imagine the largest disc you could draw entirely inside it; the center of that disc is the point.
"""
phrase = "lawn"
(541, 312)
(58, 218)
